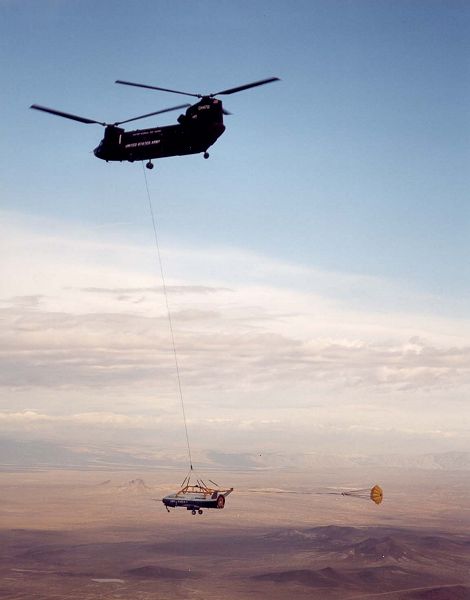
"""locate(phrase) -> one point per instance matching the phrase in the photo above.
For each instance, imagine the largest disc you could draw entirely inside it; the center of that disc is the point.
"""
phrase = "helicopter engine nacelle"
(208, 110)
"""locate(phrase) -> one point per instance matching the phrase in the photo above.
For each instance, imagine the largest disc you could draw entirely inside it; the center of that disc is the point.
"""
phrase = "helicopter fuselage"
(197, 130)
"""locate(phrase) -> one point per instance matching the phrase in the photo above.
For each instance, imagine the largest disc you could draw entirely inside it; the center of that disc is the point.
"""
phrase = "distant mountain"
(373, 558)
(445, 592)
(386, 578)
(36, 454)
(135, 486)
(322, 578)
(278, 460)
(378, 549)
(449, 461)
(40, 454)
(446, 461)
(385, 545)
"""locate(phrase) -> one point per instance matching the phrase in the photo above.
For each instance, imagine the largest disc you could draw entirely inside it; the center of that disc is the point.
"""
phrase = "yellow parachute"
(375, 494)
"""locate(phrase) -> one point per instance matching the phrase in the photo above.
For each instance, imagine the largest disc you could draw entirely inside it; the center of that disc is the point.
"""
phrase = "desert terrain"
(100, 534)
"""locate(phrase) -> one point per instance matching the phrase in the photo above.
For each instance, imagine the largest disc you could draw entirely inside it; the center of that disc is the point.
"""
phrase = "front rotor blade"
(153, 87)
(59, 113)
(247, 86)
(157, 112)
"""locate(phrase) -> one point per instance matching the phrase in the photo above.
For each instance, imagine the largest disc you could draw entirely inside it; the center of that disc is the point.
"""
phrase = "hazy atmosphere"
(316, 272)
(317, 264)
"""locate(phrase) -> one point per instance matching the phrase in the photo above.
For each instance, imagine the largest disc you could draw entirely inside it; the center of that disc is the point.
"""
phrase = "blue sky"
(356, 161)
(353, 169)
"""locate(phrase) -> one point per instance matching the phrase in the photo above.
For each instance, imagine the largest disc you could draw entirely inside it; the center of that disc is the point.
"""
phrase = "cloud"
(100, 350)
(91, 418)
(24, 301)
(171, 289)
(83, 325)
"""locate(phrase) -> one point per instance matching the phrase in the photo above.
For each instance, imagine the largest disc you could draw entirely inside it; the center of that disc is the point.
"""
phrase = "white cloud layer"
(85, 340)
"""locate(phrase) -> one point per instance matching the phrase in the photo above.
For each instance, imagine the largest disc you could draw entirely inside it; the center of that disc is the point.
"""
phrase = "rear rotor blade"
(154, 87)
(247, 86)
(59, 113)
(157, 112)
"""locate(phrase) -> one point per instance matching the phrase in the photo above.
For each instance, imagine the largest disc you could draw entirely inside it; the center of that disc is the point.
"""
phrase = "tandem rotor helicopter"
(197, 129)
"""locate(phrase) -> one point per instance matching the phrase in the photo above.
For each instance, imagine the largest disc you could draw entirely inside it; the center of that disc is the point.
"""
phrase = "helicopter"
(197, 129)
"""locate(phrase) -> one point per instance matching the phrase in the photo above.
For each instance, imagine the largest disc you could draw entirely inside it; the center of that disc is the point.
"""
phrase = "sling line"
(170, 323)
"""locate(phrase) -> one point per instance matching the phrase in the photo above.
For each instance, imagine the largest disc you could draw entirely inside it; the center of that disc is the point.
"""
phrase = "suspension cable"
(170, 323)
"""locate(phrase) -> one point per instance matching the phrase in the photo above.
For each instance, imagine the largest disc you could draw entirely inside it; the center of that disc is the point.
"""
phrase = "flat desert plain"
(88, 535)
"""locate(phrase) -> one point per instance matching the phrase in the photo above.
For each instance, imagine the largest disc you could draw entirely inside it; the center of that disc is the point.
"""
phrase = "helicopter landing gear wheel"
(206, 155)
(149, 165)
(199, 512)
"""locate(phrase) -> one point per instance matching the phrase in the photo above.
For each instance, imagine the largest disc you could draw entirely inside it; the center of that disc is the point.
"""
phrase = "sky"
(317, 263)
